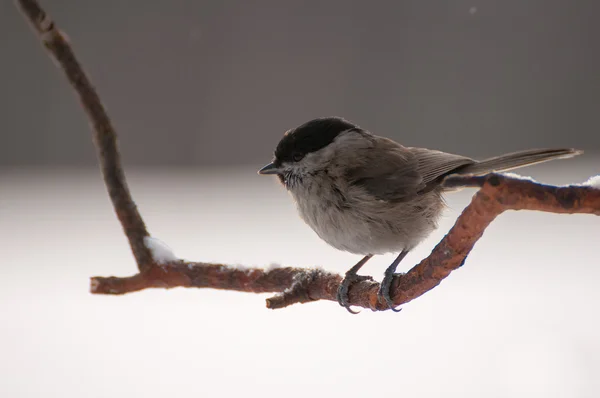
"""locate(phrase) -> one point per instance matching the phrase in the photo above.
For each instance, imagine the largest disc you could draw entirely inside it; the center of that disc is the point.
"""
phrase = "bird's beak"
(269, 169)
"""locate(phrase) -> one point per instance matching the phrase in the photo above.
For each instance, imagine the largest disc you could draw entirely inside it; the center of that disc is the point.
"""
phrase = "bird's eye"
(297, 156)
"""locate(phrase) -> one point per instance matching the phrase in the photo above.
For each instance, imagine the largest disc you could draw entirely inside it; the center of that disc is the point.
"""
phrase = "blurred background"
(200, 92)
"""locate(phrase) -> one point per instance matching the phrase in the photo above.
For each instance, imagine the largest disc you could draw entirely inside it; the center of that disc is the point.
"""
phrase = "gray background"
(218, 82)
(205, 84)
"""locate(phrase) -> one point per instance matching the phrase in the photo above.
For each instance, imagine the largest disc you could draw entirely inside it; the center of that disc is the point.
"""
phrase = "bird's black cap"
(310, 137)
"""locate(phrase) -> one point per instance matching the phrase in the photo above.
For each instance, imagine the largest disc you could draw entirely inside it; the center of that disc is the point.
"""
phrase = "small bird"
(369, 195)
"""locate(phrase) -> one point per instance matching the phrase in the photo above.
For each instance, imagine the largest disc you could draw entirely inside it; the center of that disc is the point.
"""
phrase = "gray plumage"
(370, 195)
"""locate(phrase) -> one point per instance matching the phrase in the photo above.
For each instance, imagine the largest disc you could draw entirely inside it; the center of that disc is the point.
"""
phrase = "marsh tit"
(369, 195)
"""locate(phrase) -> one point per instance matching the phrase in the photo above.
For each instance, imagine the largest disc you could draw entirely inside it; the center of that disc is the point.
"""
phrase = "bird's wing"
(435, 164)
(391, 172)
(387, 171)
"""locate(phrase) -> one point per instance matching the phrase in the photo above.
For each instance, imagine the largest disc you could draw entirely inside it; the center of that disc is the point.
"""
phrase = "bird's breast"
(355, 224)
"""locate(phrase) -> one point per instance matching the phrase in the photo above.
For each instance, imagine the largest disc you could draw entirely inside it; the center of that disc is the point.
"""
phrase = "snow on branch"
(159, 268)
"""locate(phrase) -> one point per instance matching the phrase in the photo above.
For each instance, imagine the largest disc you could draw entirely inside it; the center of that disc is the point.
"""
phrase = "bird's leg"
(351, 276)
(386, 283)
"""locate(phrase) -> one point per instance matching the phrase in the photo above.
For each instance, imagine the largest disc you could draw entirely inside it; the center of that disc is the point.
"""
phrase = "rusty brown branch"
(497, 193)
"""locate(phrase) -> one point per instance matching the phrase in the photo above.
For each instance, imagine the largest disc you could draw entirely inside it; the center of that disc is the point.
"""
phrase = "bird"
(369, 195)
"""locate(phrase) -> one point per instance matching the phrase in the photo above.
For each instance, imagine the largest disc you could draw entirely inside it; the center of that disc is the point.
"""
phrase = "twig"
(105, 136)
(497, 193)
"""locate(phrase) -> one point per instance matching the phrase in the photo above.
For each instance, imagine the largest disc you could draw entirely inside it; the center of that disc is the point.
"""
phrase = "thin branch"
(497, 193)
(105, 136)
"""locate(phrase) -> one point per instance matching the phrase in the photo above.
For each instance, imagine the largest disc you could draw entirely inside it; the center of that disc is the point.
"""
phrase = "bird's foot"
(384, 291)
(342, 293)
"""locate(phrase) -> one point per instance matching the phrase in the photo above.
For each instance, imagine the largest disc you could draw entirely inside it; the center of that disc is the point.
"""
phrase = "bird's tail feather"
(517, 159)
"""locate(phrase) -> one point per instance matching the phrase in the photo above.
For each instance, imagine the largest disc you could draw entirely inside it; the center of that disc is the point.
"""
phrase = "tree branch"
(497, 193)
(105, 136)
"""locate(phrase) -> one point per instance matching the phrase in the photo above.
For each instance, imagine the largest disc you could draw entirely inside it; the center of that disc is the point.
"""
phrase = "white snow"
(593, 182)
(161, 252)
(519, 177)
(272, 266)
(239, 267)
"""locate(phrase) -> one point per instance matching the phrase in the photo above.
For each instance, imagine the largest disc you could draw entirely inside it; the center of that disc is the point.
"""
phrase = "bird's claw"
(384, 292)
(342, 293)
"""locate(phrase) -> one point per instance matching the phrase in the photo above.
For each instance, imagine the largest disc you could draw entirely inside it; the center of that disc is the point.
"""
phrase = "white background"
(520, 318)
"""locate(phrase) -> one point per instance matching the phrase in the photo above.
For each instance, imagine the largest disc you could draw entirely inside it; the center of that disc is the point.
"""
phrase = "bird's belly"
(367, 232)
